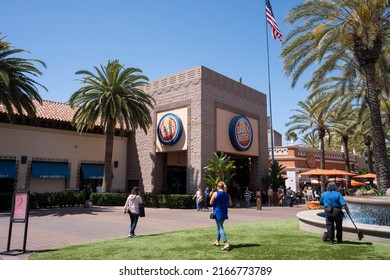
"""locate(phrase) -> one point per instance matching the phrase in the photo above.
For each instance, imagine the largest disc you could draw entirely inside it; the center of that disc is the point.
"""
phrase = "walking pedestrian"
(206, 198)
(289, 196)
(198, 199)
(132, 208)
(220, 202)
(280, 196)
(87, 196)
(247, 195)
(270, 193)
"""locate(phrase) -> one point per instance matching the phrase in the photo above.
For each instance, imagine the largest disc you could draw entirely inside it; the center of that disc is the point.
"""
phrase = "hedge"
(75, 198)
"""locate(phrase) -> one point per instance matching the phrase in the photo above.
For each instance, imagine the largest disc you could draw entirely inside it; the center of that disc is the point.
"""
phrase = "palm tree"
(291, 136)
(18, 89)
(310, 140)
(329, 30)
(363, 134)
(112, 98)
(344, 124)
(313, 115)
(219, 168)
(276, 176)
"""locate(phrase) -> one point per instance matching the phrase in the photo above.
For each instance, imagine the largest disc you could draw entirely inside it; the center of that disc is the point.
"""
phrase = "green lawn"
(277, 240)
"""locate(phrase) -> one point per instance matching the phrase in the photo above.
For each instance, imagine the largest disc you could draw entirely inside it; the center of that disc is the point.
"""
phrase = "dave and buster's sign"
(241, 133)
(169, 129)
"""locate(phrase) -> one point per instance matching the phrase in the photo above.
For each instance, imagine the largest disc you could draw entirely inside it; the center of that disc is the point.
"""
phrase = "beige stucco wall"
(45, 144)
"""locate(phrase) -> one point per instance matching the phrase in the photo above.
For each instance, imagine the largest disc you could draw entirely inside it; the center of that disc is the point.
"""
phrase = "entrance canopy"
(92, 171)
(7, 169)
(49, 170)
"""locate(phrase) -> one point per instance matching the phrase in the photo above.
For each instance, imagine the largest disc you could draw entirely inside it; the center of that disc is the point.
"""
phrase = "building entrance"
(242, 172)
(176, 179)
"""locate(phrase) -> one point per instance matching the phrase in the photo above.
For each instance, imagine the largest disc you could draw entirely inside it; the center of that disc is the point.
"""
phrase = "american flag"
(272, 22)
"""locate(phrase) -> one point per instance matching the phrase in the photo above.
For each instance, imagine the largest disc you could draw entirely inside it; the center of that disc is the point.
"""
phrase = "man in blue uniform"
(333, 203)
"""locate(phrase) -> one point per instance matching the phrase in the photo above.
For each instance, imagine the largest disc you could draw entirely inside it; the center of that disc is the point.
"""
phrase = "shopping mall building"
(197, 112)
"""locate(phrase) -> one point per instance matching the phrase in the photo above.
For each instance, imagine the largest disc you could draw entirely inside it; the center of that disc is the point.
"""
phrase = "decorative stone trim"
(278, 151)
(191, 74)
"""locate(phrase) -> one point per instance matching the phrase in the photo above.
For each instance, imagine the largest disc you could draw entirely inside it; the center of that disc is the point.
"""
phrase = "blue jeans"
(134, 221)
(198, 204)
(220, 230)
(248, 201)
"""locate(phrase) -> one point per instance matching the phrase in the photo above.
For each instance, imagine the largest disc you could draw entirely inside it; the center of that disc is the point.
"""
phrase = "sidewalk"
(58, 227)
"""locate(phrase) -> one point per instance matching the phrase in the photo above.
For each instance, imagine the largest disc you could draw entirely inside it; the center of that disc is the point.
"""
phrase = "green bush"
(75, 198)
(109, 199)
(369, 191)
(168, 201)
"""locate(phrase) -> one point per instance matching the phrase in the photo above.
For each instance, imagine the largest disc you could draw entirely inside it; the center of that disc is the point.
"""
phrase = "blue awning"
(49, 170)
(92, 171)
(7, 169)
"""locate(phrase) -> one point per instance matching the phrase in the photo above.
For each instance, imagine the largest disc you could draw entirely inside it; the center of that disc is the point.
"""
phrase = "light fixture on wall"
(116, 163)
(24, 159)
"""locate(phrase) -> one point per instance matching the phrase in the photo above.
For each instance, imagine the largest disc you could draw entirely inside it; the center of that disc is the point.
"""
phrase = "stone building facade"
(205, 101)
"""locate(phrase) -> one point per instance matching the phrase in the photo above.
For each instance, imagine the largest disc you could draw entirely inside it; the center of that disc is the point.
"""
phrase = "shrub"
(108, 199)
(75, 198)
(168, 200)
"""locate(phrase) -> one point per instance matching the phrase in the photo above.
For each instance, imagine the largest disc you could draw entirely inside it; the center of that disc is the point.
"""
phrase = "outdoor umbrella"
(369, 176)
(315, 172)
(355, 183)
(335, 172)
(366, 176)
(318, 172)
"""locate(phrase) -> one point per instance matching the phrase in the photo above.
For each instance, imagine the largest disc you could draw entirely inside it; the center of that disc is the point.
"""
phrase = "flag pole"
(269, 96)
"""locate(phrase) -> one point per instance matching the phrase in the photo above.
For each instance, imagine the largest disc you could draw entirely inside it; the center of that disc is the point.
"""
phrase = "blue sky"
(159, 37)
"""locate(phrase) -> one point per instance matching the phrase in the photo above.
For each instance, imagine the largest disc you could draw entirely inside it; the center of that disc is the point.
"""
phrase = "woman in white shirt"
(132, 208)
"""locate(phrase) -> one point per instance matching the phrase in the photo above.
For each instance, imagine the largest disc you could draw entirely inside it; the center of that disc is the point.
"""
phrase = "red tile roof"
(51, 110)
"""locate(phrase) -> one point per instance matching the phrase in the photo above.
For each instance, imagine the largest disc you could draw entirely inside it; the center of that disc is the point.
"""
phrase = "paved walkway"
(58, 227)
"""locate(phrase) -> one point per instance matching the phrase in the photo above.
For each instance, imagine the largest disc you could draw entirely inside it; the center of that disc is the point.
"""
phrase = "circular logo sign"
(240, 133)
(311, 160)
(169, 129)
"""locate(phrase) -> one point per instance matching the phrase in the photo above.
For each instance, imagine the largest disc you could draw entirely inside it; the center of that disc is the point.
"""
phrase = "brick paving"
(58, 227)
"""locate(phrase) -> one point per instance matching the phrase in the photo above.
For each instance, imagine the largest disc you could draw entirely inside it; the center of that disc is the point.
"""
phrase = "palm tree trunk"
(322, 160)
(367, 142)
(107, 180)
(378, 135)
(346, 158)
